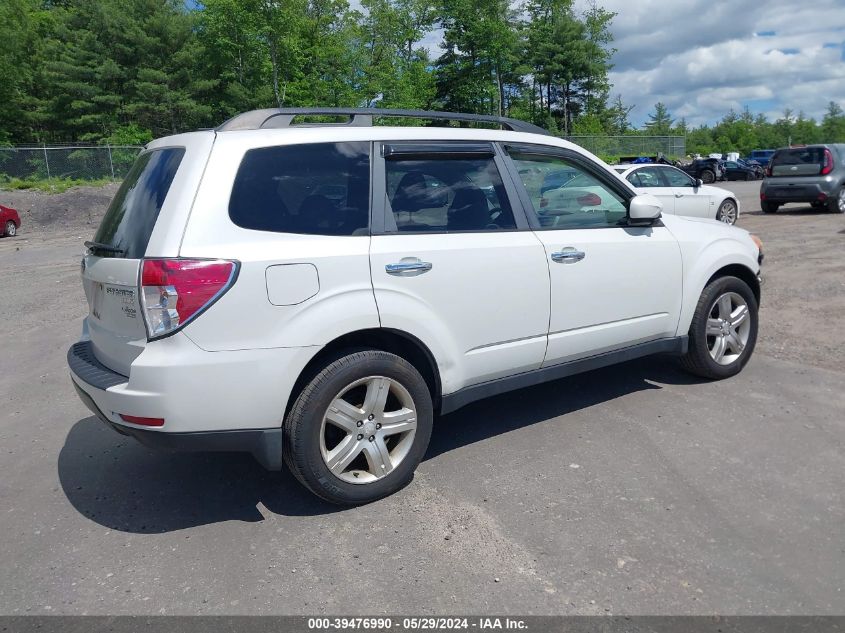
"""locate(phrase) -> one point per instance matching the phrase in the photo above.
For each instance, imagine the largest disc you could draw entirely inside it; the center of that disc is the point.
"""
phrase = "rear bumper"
(210, 401)
(264, 444)
(773, 191)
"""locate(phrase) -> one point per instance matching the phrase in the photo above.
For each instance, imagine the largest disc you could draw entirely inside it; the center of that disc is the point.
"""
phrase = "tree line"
(126, 71)
(123, 70)
(744, 131)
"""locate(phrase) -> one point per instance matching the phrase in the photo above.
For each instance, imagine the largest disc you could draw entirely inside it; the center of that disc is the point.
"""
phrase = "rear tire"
(11, 229)
(342, 437)
(708, 177)
(837, 203)
(723, 331)
(769, 207)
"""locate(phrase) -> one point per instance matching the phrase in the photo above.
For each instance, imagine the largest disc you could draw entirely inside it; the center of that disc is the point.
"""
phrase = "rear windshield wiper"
(108, 248)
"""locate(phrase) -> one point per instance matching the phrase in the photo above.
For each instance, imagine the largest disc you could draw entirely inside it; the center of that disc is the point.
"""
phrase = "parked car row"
(714, 169)
(10, 221)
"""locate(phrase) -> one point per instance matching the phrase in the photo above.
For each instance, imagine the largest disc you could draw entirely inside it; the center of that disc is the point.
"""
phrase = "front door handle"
(679, 195)
(568, 255)
(408, 267)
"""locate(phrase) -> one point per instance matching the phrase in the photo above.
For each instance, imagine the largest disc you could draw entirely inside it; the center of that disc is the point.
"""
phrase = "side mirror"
(699, 183)
(644, 209)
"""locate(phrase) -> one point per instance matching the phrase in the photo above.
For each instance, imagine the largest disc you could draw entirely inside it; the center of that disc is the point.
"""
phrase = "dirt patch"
(78, 209)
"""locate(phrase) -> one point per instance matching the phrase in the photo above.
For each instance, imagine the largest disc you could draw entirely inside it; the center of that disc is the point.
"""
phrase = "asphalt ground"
(630, 490)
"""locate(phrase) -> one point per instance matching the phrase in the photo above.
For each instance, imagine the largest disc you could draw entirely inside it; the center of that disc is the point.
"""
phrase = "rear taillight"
(827, 165)
(173, 291)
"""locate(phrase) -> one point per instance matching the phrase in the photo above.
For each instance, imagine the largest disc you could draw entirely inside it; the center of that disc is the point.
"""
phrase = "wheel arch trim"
(401, 343)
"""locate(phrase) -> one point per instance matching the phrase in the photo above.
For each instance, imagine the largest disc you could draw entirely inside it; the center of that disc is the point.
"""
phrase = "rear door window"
(677, 178)
(132, 214)
(798, 161)
(317, 189)
(646, 177)
(447, 195)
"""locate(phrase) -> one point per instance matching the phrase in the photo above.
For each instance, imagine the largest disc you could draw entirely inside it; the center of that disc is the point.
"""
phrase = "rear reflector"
(173, 291)
(134, 419)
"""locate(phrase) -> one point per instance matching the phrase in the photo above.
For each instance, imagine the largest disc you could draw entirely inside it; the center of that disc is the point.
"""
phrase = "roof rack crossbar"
(274, 118)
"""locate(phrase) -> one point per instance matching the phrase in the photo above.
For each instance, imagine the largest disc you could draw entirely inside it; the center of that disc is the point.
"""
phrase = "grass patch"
(50, 185)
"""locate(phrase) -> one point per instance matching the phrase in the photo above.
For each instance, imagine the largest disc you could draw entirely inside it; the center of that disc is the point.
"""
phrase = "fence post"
(111, 162)
(46, 160)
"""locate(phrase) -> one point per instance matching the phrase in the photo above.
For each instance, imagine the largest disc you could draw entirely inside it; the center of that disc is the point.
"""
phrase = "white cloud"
(703, 57)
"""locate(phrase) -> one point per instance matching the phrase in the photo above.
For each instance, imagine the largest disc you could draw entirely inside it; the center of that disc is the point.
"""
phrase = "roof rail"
(275, 118)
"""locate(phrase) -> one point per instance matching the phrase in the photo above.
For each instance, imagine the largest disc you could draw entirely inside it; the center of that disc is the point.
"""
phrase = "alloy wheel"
(368, 429)
(727, 212)
(728, 328)
(841, 200)
(11, 229)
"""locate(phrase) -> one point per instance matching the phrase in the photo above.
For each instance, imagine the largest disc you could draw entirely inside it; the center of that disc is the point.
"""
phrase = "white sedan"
(680, 193)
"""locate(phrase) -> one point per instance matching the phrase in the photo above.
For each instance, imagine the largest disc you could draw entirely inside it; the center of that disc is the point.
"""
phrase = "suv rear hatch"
(110, 268)
(800, 161)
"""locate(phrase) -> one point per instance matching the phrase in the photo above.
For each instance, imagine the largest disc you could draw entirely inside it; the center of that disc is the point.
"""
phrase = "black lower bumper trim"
(264, 444)
(86, 367)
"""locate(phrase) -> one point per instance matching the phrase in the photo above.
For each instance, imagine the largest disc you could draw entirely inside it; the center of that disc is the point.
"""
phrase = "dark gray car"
(814, 174)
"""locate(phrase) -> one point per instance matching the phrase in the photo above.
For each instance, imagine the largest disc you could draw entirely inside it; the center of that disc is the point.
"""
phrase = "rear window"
(132, 214)
(318, 189)
(798, 161)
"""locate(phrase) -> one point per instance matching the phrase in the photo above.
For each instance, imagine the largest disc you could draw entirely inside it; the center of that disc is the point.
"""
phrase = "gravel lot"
(630, 490)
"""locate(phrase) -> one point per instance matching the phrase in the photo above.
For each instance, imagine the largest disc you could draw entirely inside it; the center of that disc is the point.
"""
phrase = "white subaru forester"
(316, 292)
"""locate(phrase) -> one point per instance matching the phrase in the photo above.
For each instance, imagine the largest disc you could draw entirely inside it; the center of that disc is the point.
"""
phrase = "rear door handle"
(568, 255)
(408, 267)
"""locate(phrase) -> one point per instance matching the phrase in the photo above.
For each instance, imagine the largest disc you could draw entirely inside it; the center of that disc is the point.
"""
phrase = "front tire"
(723, 331)
(837, 204)
(728, 212)
(769, 207)
(359, 428)
(11, 229)
(708, 177)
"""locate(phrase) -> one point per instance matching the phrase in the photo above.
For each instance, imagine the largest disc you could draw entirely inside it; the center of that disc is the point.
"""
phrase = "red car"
(10, 221)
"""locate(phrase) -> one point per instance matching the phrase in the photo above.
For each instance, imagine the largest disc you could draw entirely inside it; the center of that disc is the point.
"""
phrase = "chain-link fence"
(75, 162)
(630, 145)
(98, 162)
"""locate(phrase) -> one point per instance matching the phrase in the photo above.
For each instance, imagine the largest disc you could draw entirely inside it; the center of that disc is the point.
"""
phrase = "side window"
(581, 202)
(678, 178)
(318, 189)
(443, 194)
(647, 177)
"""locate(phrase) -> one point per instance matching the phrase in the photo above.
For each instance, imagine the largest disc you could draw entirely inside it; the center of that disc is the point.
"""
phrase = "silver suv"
(814, 174)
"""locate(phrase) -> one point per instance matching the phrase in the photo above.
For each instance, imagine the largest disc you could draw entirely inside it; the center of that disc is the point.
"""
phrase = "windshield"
(133, 212)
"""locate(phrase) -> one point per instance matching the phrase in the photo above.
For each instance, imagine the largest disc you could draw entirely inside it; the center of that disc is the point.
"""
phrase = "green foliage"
(49, 185)
(745, 132)
(660, 121)
(122, 73)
